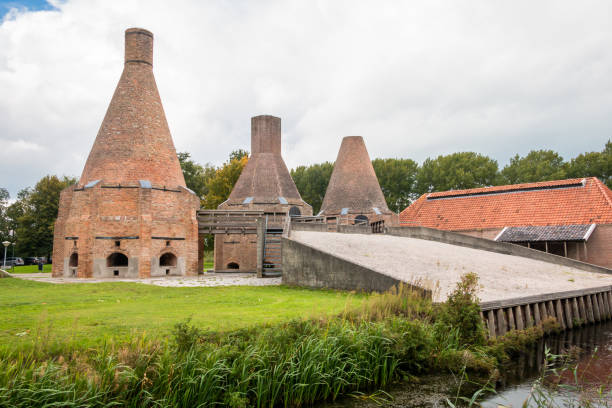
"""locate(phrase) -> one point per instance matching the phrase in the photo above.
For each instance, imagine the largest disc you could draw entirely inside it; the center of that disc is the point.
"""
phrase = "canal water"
(590, 349)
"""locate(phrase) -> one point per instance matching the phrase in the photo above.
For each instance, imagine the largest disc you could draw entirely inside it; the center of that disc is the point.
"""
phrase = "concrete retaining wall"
(570, 309)
(493, 246)
(310, 267)
(355, 229)
(302, 226)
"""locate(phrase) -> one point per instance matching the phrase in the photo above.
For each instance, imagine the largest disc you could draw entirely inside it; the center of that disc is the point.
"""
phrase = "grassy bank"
(88, 314)
(293, 361)
(30, 269)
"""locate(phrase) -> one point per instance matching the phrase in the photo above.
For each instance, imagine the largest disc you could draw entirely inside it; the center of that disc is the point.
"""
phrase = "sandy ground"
(208, 279)
(439, 266)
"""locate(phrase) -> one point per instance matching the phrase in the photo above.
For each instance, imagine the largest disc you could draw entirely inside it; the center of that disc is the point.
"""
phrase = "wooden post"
(491, 316)
(586, 253)
(543, 311)
(602, 309)
(559, 311)
(518, 314)
(550, 309)
(528, 244)
(565, 248)
(511, 323)
(546, 245)
(528, 316)
(537, 317)
(596, 311)
(575, 312)
(501, 322)
(568, 314)
(589, 309)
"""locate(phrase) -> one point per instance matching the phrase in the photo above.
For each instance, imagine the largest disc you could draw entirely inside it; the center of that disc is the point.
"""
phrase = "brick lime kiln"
(131, 214)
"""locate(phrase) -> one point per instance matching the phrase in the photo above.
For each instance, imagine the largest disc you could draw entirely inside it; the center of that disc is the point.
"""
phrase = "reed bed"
(294, 364)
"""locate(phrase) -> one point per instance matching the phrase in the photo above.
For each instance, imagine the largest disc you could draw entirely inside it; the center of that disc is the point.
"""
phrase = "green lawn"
(30, 269)
(89, 313)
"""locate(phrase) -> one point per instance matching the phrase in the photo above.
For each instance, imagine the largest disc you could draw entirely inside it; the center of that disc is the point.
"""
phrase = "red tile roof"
(559, 202)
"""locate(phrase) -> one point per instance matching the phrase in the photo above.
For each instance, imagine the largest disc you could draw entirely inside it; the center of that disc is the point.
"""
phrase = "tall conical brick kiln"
(353, 194)
(130, 215)
(264, 185)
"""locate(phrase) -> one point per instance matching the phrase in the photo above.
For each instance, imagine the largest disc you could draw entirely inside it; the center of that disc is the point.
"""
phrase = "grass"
(30, 269)
(90, 313)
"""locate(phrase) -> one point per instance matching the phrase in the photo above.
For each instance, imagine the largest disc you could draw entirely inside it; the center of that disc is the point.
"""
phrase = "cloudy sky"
(416, 79)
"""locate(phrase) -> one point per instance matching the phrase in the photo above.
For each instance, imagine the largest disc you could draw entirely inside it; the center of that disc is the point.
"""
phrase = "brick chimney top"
(139, 46)
(265, 134)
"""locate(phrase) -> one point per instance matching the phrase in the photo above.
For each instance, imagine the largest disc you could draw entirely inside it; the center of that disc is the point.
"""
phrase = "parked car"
(12, 261)
(43, 259)
(30, 260)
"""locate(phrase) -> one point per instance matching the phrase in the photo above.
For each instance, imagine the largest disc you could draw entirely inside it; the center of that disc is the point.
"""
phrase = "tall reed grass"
(294, 364)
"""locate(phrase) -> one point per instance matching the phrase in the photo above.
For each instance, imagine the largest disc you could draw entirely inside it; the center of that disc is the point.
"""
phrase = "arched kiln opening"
(116, 259)
(167, 259)
(74, 260)
(294, 212)
(361, 220)
(233, 265)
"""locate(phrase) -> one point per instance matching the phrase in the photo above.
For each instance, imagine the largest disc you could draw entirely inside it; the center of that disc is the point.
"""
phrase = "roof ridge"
(599, 183)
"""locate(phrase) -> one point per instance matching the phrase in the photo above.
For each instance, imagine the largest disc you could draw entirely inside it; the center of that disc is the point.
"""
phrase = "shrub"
(462, 312)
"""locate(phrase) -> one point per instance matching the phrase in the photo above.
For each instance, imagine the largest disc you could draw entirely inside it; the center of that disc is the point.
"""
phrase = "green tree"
(537, 165)
(238, 154)
(593, 164)
(397, 179)
(4, 220)
(221, 184)
(34, 214)
(196, 175)
(311, 182)
(456, 171)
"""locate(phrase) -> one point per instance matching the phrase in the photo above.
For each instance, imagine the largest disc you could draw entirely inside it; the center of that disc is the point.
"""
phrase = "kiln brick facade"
(131, 214)
(353, 194)
(264, 185)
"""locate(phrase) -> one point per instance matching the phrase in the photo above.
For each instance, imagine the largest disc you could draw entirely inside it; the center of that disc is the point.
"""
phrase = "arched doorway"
(116, 259)
(73, 263)
(294, 212)
(233, 265)
(361, 220)
(167, 259)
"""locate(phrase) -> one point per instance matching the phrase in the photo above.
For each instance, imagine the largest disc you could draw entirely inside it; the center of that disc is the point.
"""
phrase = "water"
(591, 346)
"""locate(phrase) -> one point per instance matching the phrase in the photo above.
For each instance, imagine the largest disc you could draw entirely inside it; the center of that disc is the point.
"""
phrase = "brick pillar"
(144, 237)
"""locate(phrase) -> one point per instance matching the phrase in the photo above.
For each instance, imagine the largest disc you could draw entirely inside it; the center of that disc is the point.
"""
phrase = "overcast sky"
(415, 79)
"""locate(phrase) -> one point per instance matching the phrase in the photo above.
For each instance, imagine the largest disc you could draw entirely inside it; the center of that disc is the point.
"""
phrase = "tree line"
(32, 215)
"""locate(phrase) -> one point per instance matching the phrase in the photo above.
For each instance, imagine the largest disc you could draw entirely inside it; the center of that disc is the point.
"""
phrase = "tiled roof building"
(577, 214)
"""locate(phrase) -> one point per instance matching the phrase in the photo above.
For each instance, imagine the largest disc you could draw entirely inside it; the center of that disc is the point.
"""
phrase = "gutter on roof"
(589, 232)
(500, 233)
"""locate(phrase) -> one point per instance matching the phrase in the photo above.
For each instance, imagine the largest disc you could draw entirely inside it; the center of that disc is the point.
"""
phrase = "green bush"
(462, 312)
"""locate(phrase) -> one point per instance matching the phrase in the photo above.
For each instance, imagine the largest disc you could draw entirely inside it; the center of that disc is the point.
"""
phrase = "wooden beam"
(565, 247)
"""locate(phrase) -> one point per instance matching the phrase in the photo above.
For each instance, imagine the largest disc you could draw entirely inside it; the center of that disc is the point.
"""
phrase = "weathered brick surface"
(353, 185)
(265, 180)
(119, 214)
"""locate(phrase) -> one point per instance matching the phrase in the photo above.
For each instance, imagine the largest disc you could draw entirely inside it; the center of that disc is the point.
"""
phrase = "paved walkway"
(208, 279)
(439, 266)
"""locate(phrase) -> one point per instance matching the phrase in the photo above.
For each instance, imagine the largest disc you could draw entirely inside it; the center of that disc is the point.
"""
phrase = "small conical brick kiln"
(131, 214)
(264, 185)
(353, 194)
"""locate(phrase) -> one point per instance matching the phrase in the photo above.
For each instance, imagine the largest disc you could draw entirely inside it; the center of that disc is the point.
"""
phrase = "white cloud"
(416, 80)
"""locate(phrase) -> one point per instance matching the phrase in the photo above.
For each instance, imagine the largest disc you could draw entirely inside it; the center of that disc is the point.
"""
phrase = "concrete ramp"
(353, 261)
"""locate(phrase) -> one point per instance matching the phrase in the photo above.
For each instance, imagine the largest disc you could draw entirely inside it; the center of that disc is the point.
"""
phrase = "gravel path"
(438, 266)
(208, 279)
